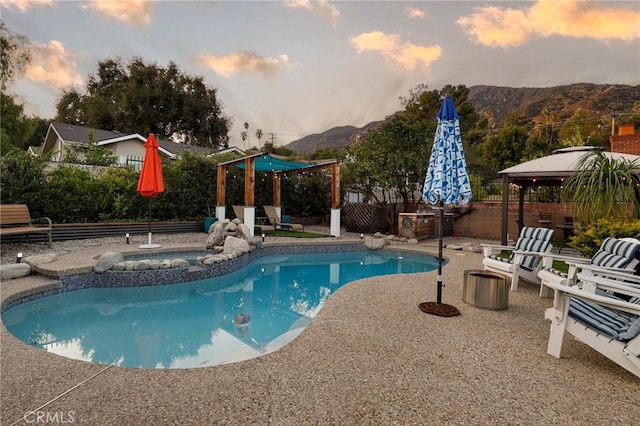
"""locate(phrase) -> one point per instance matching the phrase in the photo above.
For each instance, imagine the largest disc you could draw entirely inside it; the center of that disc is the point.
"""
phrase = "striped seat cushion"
(619, 325)
(615, 253)
(533, 239)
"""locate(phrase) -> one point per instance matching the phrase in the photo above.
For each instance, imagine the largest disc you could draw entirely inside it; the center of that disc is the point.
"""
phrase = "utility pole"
(272, 137)
(613, 123)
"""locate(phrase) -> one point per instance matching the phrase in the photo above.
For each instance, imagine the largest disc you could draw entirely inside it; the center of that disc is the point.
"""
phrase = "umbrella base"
(149, 244)
(440, 309)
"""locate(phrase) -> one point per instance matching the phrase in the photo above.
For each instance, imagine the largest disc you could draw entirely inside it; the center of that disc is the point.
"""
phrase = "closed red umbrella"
(151, 182)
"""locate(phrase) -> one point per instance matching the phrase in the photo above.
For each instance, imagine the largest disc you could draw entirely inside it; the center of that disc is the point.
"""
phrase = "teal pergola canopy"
(269, 163)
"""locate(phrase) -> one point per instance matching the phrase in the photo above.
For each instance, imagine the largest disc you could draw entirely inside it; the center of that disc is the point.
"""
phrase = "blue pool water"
(200, 323)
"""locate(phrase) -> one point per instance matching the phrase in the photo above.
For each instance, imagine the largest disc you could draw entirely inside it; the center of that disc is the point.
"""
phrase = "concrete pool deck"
(369, 357)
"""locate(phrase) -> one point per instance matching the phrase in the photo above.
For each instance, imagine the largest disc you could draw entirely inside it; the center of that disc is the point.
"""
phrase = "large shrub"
(23, 181)
(589, 241)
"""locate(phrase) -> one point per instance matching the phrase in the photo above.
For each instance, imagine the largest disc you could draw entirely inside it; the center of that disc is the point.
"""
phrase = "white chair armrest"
(628, 287)
(600, 300)
(487, 249)
(623, 273)
(567, 259)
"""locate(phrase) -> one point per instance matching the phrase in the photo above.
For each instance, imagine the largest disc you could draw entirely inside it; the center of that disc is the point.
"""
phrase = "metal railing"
(80, 231)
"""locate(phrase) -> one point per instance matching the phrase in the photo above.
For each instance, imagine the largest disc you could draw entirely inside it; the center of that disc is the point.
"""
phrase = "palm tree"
(246, 128)
(604, 187)
(244, 135)
(259, 136)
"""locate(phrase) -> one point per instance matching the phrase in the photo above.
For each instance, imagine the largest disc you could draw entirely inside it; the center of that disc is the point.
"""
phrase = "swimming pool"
(229, 318)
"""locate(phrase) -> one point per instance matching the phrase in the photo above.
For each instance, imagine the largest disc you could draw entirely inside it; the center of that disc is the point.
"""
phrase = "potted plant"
(209, 219)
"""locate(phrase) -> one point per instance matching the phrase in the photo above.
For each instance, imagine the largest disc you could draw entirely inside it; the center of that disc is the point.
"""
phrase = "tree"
(389, 164)
(244, 135)
(145, 98)
(246, 130)
(15, 128)
(603, 187)
(423, 105)
(508, 147)
(23, 179)
(14, 57)
(97, 155)
(259, 136)
(582, 122)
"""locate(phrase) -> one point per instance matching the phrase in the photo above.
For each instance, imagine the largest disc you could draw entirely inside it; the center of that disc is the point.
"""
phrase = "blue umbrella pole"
(441, 232)
(439, 308)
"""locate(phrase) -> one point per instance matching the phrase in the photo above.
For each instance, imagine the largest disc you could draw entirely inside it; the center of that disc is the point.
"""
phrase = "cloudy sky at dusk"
(293, 68)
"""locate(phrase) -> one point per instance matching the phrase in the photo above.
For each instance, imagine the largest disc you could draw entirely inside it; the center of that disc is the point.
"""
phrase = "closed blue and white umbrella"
(446, 183)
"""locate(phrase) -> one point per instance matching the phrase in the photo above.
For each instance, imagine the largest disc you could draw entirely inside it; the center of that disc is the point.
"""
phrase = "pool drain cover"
(440, 309)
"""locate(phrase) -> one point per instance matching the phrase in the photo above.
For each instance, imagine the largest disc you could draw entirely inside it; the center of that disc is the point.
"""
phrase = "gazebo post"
(505, 209)
(521, 207)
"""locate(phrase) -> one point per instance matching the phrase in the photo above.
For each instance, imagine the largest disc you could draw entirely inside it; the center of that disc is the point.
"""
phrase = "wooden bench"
(15, 220)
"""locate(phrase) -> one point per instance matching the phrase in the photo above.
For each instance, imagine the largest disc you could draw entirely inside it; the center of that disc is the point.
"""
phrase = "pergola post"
(335, 200)
(249, 190)
(276, 193)
(221, 192)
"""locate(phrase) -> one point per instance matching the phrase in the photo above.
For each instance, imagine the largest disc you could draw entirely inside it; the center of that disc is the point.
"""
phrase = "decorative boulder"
(233, 243)
(216, 236)
(231, 227)
(373, 243)
(107, 261)
(179, 263)
(10, 271)
(244, 231)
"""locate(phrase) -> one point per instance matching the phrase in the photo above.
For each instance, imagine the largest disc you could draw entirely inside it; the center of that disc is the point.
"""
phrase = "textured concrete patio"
(369, 357)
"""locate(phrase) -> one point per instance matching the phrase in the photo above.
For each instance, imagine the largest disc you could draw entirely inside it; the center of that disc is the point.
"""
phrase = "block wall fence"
(484, 221)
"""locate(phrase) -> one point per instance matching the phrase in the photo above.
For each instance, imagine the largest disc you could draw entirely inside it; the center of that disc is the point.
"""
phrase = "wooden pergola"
(265, 162)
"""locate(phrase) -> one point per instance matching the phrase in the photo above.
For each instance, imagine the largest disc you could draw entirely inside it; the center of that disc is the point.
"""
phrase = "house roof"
(79, 135)
(557, 166)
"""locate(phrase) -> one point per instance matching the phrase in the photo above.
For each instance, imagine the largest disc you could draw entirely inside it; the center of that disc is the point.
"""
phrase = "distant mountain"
(337, 137)
(562, 101)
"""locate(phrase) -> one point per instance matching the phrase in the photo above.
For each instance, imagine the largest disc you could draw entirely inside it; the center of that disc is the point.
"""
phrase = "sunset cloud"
(51, 64)
(24, 5)
(322, 8)
(391, 47)
(135, 12)
(228, 65)
(505, 27)
(414, 12)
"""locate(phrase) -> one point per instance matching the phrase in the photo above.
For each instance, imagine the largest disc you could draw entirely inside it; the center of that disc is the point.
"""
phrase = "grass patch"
(293, 234)
(557, 264)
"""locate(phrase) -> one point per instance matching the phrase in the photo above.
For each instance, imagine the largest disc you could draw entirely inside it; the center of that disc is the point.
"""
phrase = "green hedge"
(75, 194)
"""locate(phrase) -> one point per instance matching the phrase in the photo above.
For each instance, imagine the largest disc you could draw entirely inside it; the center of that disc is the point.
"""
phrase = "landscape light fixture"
(263, 237)
(19, 258)
(126, 236)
